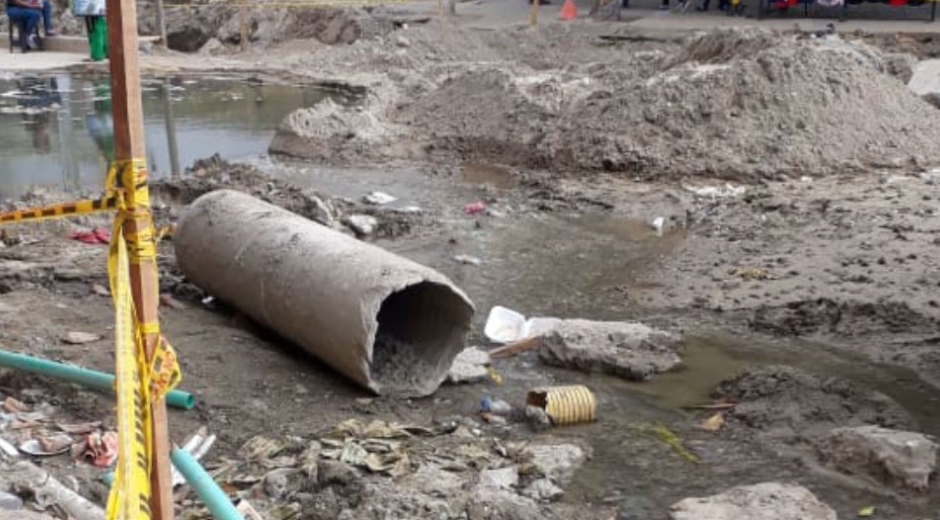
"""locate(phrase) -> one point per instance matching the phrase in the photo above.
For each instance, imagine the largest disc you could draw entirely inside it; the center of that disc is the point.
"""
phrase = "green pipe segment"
(211, 494)
(82, 376)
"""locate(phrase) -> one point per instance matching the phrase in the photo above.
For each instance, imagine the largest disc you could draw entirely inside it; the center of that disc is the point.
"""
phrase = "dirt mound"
(846, 319)
(756, 109)
(787, 402)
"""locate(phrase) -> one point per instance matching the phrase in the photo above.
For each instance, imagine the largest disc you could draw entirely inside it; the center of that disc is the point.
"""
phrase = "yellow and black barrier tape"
(63, 210)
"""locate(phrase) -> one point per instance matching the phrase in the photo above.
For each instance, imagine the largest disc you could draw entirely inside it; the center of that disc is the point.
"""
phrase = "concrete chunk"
(767, 501)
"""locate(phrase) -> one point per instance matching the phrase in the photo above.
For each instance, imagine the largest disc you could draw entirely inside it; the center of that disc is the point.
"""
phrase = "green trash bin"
(97, 37)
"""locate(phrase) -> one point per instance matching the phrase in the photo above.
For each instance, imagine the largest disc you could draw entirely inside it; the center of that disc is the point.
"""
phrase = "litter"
(657, 224)
(506, 325)
(718, 192)
(80, 338)
(47, 446)
(565, 405)
(673, 441)
(98, 449)
(466, 259)
(713, 423)
(474, 208)
(378, 198)
(95, 236)
(495, 406)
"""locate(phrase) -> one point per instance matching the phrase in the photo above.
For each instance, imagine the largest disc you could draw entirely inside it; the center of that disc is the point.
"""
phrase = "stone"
(766, 501)
(283, 482)
(212, 47)
(504, 478)
(80, 338)
(543, 490)
(434, 482)
(500, 504)
(889, 456)
(470, 366)
(557, 462)
(334, 472)
(362, 224)
(632, 351)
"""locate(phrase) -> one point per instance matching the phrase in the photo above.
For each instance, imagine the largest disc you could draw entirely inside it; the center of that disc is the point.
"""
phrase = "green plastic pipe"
(82, 376)
(212, 496)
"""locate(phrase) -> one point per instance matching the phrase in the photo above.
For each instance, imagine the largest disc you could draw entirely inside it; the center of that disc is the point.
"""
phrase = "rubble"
(557, 462)
(907, 459)
(766, 501)
(470, 366)
(629, 350)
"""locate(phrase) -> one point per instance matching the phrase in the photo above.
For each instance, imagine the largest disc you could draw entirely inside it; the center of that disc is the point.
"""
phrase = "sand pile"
(737, 104)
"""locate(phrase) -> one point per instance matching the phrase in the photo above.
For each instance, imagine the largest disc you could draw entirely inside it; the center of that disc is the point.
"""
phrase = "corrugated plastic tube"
(212, 496)
(82, 376)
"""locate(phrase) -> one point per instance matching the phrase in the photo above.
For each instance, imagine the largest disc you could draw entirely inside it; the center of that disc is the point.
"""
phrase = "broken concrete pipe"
(565, 405)
(387, 323)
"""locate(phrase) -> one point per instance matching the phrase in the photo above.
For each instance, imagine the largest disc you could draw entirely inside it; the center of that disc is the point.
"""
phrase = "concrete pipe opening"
(387, 323)
(417, 327)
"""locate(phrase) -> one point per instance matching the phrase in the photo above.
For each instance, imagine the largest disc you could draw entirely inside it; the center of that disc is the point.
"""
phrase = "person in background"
(27, 14)
(47, 18)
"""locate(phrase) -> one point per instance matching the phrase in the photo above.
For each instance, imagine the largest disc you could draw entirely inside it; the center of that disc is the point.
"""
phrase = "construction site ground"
(765, 194)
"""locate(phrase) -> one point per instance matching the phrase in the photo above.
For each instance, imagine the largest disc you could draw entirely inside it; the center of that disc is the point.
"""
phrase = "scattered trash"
(506, 325)
(80, 428)
(466, 259)
(410, 209)
(474, 208)
(13, 405)
(492, 418)
(378, 198)
(98, 449)
(209, 301)
(362, 224)
(673, 441)
(565, 405)
(47, 446)
(9, 449)
(100, 290)
(657, 224)
(718, 192)
(516, 347)
(495, 406)
(79, 338)
(167, 300)
(713, 423)
(248, 511)
(865, 512)
(495, 376)
(95, 236)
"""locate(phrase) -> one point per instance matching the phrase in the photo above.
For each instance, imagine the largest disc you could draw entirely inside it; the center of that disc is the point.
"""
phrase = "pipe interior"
(421, 329)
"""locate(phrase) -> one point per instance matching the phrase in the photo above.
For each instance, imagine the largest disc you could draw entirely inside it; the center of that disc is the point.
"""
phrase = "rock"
(557, 462)
(434, 481)
(505, 478)
(900, 65)
(334, 472)
(889, 456)
(212, 47)
(378, 198)
(470, 366)
(543, 490)
(639, 507)
(767, 501)
(500, 504)
(537, 418)
(362, 224)
(282, 483)
(402, 42)
(629, 350)
(80, 338)
(310, 460)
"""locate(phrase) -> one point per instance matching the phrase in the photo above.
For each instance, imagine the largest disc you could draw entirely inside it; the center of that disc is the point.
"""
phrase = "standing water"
(56, 130)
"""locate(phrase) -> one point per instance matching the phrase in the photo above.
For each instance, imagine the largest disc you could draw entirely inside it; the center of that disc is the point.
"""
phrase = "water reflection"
(57, 130)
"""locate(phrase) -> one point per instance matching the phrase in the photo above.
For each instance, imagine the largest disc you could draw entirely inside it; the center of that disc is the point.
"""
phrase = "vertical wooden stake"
(161, 24)
(170, 121)
(127, 109)
(243, 18)
(534, 13)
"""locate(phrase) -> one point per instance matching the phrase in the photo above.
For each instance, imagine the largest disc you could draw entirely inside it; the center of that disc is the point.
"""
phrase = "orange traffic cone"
(569, 11)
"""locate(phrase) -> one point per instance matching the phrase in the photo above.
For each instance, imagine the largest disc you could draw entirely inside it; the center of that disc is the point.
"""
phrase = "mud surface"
(790, 238)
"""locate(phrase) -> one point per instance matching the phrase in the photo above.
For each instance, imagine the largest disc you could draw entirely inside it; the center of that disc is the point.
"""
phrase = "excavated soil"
(733, 104)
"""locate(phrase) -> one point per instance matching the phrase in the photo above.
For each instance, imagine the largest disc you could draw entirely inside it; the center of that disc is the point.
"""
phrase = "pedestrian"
(26, 13)
(47, 19)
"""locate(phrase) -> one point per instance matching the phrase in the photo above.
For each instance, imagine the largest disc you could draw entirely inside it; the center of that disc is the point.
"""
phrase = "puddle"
(484, 173)
(56, 130)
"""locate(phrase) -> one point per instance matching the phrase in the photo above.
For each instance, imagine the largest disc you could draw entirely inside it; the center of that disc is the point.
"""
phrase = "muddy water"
(570, 264)
(56, 130)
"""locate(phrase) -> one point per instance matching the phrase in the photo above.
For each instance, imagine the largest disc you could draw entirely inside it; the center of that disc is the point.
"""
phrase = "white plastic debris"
(506, 325)
(717, 192)
(467, 259)
(657, 224)
(379, 198)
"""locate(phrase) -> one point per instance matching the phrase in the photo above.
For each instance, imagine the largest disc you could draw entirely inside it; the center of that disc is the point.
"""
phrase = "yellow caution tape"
(139, 381)
(68, 209)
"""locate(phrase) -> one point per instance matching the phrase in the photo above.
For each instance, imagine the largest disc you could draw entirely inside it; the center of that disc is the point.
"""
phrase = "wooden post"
(161, 24)
(243, 19)
(170, 120)
(127, 110)
(534, 13)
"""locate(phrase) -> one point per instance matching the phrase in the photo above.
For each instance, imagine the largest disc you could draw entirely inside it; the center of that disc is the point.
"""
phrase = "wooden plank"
(127, 109)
